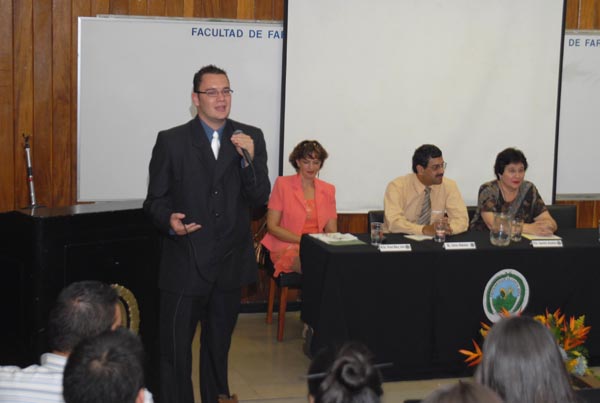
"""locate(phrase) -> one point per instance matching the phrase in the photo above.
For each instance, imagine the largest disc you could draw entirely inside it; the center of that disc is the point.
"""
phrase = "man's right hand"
(428, 230)
(179, 227)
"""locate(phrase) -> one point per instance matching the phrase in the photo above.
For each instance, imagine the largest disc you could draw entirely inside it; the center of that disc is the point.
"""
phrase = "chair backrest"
(471, 212)
(565, 215)
(374, 216)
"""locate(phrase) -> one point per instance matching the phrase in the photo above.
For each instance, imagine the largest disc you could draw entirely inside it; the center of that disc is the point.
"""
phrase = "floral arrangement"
(570, 335)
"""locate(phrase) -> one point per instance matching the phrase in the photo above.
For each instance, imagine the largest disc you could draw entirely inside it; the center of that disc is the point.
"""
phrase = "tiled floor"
(261, 369)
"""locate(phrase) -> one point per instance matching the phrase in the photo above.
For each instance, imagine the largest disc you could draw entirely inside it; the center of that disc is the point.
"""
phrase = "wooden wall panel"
(42, 100)
(174, 8)
(119, 7)
(157, 7)
(229, 9)
(138, 7)
(278, 10)
(96, 7)
(245, 9)
(209, 8)
(23, 93)
(572, 14)
(264, 10)
(589, 14)
(64, 154)
(7, 141)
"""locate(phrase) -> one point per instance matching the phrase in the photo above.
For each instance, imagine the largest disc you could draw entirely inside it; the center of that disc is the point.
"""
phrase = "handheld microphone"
(244, 151)
(247, 157)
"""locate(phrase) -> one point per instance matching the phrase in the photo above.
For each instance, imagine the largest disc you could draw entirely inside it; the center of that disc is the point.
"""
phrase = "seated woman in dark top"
(510, 193)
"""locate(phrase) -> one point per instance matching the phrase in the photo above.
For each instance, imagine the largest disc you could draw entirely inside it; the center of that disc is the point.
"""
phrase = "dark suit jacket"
(217, 194)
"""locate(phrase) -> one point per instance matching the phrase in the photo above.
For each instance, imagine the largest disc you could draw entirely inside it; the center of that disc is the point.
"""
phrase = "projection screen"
(372, 81)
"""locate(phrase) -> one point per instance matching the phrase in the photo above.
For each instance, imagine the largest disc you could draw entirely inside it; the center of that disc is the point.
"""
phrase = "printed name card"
(459, 245)
(397, 247)
(547, 243)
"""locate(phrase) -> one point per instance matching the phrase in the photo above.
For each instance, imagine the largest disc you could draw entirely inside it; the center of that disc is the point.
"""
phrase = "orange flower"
(473, 357)
(570, 335)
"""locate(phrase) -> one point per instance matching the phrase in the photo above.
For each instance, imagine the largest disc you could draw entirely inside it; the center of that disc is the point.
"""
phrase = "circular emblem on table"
(130, 312)
(506, 289)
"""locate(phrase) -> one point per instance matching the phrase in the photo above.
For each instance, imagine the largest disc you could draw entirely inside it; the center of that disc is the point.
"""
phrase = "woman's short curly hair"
(308, 149)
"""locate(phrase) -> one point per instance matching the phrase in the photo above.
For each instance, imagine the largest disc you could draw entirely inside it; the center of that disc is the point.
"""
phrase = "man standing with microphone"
(200, 192)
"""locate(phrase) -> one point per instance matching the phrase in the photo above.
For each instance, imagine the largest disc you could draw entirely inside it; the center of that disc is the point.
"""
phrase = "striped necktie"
(425, 216)
(215, 144)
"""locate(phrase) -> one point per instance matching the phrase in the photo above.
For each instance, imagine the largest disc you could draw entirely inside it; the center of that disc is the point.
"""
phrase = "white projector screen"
(372, 81)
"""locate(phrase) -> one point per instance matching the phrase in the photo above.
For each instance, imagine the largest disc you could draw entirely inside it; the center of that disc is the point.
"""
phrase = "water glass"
(516, 229)
(376, 233)
(440, 230)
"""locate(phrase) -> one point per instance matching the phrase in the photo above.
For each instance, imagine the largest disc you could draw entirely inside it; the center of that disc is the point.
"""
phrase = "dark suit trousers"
(179, 316)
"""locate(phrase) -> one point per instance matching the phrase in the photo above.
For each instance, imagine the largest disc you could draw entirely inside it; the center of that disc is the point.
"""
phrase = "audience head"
(106, 368)
(210, 69)
(522, 363)
(506, 157)
(308, 150)
(83, 309)
(345, 376)
(423, 154)
(463, 392)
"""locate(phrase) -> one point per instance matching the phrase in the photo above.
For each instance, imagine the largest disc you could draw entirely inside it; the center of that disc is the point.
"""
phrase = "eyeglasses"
(211, 92)
(437, 167)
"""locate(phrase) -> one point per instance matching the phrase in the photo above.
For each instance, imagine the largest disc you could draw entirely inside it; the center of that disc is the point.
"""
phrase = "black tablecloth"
(417, 309)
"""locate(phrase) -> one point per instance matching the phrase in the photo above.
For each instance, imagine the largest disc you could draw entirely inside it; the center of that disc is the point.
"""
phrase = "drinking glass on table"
(376, 233)
(516, 229)
(440, 223)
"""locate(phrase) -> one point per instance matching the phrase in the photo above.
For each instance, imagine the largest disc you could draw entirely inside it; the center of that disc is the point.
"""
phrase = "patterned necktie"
(215, 144)
(425, 216)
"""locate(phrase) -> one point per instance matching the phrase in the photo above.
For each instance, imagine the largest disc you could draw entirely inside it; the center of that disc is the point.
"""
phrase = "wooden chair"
(283, 282)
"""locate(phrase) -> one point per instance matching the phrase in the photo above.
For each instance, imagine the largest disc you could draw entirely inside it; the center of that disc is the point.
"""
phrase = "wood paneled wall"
(38, 86)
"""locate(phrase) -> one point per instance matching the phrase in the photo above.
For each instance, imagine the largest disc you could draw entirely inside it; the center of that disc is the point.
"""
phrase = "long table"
(416, 309)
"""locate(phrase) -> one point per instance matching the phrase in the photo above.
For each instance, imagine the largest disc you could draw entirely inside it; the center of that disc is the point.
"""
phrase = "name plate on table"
(547, 243)
(459, 245)
(397, 247)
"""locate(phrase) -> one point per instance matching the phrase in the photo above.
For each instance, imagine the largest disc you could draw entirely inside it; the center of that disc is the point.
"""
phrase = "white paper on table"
(418, 237)
(337, 238)
(532, 236)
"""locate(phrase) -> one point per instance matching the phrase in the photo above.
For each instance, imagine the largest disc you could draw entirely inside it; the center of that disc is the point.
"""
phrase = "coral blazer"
(287, 196)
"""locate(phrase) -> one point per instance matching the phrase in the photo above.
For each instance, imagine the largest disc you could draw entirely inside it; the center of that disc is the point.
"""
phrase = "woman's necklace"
(506, 192)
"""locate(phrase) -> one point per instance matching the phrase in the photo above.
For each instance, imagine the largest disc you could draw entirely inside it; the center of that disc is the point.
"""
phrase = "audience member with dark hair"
(82, 310)
(106, 368)
(347, 376)
(523, 364)
(463, 392)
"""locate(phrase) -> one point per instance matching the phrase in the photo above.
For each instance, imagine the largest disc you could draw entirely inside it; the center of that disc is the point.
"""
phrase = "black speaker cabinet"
(44, 249)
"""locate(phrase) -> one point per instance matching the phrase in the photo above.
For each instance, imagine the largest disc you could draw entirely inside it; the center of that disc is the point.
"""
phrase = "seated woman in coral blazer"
(299, 204)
